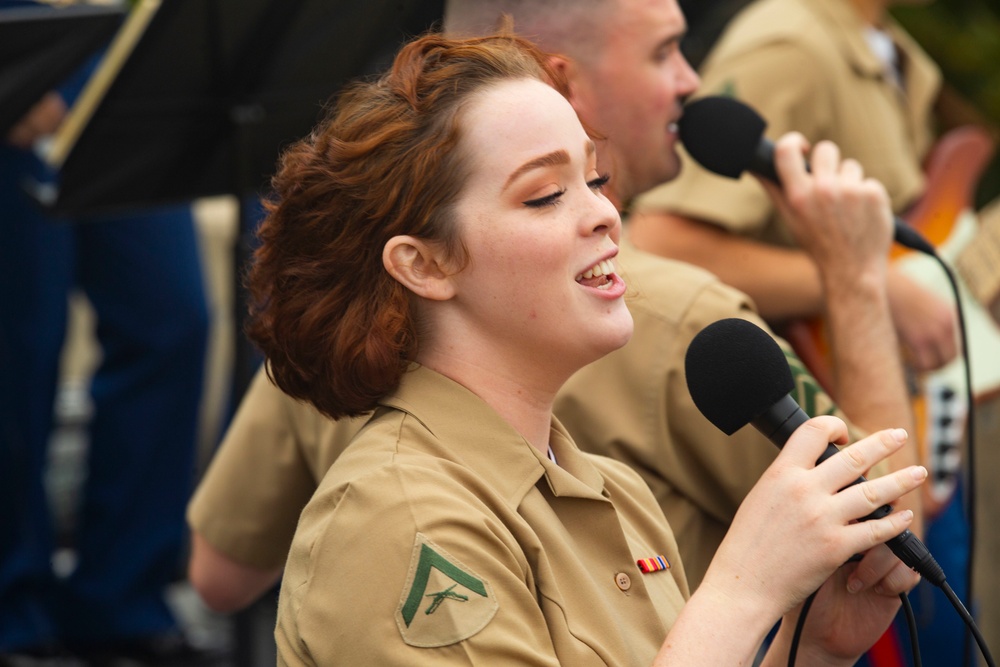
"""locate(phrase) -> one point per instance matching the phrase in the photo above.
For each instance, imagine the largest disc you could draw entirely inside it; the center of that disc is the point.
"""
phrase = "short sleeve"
(421, 584)
(249, 500)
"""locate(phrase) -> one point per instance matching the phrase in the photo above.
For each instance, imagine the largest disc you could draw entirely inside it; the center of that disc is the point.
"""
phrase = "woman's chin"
(618, 334)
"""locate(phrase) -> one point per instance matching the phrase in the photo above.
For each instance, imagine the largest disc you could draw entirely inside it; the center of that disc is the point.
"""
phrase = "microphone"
(726, 137)
(737, 375)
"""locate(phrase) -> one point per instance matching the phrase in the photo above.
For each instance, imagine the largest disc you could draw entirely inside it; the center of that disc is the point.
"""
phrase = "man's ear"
(570, 73)
(418, 266)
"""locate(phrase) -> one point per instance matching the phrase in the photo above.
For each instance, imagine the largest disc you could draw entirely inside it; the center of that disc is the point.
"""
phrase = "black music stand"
(212, 91)
(206, 99)
(214, 88)
(41, 46)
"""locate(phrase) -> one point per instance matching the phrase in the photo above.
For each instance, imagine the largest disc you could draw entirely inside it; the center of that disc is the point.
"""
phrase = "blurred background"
(963, 36)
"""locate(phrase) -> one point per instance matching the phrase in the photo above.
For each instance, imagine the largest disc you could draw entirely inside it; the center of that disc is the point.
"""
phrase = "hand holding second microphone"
(842, 219)
(726, 137)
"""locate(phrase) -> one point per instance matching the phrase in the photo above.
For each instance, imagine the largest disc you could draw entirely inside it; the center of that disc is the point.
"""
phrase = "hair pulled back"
(337, 329)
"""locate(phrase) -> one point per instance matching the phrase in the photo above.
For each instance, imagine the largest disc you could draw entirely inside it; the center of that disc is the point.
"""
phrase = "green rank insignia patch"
(443, 602)
(807, 392)
(728, 89)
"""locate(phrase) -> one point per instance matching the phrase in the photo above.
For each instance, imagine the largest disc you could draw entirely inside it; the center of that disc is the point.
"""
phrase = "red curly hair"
(337, 329)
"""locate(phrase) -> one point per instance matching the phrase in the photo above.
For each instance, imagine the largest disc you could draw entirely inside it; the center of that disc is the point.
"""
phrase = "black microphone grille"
(735, 372)
(721, 133)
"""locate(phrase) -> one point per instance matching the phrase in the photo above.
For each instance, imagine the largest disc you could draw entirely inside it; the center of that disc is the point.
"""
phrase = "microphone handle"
(762, 164)
(777, 424)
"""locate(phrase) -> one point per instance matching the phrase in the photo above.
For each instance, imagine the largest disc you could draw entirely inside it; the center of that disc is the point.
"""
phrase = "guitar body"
(943, 215)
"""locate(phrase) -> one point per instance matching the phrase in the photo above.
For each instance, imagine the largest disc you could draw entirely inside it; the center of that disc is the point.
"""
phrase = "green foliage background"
(963, 37)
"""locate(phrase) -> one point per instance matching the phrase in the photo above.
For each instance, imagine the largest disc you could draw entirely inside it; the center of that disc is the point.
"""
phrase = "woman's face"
(541, 237)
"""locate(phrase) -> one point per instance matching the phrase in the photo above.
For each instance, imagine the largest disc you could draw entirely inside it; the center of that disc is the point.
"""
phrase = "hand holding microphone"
(798, 525)
(727, 137)
(841, 219)
(737, 375)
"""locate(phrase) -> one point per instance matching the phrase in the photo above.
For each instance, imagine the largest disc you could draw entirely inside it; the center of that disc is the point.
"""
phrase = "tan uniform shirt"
(633, 405)
(805, 65)
(441, 536)
(273, 455)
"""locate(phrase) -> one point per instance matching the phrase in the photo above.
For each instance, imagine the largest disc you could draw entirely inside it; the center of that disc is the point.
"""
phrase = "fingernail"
(907, 514)
(854, 585)
(899, 434)
(919, 473)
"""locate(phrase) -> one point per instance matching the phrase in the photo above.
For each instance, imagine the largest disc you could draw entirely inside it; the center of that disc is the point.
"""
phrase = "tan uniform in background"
(268, 466)
(469, 546)
(633, 405)
(805, 66)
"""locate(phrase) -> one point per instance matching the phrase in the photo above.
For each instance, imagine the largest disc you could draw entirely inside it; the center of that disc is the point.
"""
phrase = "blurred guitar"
(944, 215)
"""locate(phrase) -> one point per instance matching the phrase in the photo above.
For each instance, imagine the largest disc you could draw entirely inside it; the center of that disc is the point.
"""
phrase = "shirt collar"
(922, 75)
(478, 438)
(850, 35)
(922, 78)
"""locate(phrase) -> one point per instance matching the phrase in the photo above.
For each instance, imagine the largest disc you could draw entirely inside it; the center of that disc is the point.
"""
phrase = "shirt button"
(623, 581)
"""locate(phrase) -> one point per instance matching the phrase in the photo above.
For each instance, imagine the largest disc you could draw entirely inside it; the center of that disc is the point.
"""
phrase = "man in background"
(840, 70)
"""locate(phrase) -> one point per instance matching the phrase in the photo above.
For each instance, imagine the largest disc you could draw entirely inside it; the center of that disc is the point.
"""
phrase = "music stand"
(212, 90)
(41, 46)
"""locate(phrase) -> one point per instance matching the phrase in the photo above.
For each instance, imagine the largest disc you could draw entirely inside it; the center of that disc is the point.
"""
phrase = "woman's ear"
(419, 266)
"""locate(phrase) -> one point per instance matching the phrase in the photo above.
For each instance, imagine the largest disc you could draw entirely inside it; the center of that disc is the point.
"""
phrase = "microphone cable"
(799, 624)
(969, 478)
(911, 624)
(970, 468)
(970, 625)
(911, 627)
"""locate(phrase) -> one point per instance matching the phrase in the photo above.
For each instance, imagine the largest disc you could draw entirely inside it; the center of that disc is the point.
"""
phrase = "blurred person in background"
(140, 270)
(844, 71)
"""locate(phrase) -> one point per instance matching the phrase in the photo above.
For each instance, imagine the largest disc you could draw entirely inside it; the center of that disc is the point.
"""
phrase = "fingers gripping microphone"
(738, 375)
(727, 137)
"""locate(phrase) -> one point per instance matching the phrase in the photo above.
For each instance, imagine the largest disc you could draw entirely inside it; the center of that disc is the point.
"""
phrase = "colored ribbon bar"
(654, 564)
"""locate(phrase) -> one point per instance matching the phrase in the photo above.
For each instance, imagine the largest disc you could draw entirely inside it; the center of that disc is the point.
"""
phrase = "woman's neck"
(525, 405)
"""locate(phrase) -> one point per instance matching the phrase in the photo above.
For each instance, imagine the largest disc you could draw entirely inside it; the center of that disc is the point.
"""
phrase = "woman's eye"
(547, 200)
(596, 184)
(599, 182)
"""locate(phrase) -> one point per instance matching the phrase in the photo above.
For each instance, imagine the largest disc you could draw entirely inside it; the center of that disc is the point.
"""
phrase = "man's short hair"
(575, 28)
